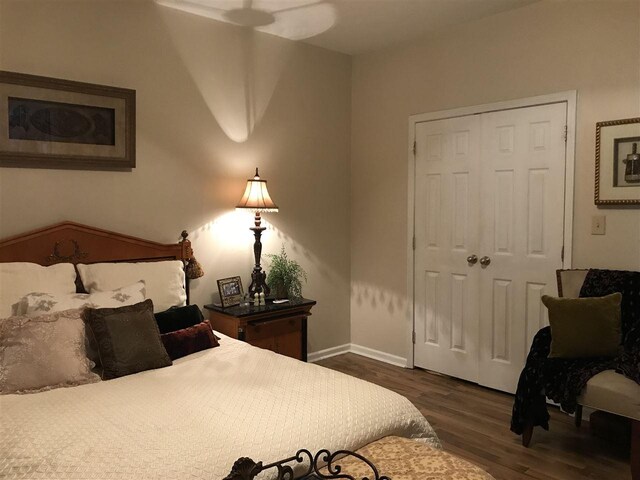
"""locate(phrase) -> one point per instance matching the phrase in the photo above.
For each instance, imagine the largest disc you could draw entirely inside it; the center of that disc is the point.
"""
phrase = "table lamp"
(256, 198)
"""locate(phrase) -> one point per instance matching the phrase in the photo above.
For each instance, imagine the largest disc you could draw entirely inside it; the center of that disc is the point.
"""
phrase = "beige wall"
(550, 46)
(213, 102)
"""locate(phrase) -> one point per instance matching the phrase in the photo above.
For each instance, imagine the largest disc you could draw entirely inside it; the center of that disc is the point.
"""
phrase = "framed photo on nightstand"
(230, 291)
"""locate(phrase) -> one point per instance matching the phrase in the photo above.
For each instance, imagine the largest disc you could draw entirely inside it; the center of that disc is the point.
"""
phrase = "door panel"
(522, 221)
(446, 286)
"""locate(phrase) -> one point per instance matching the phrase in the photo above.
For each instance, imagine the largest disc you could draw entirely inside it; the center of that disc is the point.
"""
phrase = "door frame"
(570, 98)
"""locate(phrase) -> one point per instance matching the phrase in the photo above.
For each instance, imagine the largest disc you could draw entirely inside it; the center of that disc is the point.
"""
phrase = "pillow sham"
(20, 278)
(178, 318)
(44, 352)
(189, 340)
(38, 303)
(165, 280)
(584, 327)
(127, 339)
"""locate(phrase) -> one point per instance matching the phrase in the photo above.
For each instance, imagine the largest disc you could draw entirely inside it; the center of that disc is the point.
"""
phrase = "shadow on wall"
(299, 251)
(378, 300)
(236, 68)
(379, 318)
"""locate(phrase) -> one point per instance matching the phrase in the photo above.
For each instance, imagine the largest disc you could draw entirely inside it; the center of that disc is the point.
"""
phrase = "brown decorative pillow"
(189, 340)
(43, 352)
(127, 338)
(584, 327)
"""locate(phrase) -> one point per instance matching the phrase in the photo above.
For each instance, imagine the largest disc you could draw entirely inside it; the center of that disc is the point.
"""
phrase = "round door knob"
(484, 261)
(472, 259)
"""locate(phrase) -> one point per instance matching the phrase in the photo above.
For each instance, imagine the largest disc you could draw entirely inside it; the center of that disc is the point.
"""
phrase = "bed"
(194, 418)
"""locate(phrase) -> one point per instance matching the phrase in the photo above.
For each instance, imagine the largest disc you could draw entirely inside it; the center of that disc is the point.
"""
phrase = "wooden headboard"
(75, 243)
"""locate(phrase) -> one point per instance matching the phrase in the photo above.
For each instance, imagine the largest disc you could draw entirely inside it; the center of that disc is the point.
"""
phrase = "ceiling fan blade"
(298, 7)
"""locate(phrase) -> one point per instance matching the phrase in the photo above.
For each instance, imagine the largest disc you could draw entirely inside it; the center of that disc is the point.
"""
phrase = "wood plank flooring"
(473, 422)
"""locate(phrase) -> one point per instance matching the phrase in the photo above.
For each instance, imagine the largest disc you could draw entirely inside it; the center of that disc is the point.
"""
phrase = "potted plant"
(285, 276)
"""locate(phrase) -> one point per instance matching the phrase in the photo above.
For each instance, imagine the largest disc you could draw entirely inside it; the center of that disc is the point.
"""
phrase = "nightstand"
(279, 327)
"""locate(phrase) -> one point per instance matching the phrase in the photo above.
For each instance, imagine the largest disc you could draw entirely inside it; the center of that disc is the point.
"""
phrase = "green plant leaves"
(285, 275)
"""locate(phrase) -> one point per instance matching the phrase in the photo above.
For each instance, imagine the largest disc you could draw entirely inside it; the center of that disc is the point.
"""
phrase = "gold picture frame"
(617, 175)
(230, 290)
(54, 123)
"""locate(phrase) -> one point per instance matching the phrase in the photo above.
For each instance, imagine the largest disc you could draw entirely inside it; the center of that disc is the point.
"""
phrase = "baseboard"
(328, 353)
(358, 350)
(378, 355)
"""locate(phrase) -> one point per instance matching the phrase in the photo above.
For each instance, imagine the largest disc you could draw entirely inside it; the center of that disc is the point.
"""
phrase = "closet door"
(521, 239)
(446, 233)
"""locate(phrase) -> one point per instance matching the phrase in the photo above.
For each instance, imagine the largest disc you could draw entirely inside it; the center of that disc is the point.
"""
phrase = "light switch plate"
(598, 224)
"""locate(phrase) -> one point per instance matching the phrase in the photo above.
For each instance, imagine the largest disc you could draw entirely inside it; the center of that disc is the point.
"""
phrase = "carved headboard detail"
(75, 243)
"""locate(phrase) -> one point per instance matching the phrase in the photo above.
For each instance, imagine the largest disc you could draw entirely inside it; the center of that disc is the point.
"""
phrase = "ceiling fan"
(292, 19)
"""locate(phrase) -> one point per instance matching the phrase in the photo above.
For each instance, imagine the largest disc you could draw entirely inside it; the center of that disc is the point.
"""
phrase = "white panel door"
(446, 230)
(489, 185)
(522, 223)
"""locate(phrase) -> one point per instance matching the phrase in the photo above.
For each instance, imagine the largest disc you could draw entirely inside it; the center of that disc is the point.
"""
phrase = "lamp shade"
(256, 196)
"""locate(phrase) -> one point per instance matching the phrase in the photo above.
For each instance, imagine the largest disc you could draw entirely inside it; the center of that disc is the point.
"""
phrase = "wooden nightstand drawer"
(272, 328)
(283, 336)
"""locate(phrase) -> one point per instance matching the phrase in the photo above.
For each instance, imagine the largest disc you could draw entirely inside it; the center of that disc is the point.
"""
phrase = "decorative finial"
(257, 176)
(184, 235)
(635, 150)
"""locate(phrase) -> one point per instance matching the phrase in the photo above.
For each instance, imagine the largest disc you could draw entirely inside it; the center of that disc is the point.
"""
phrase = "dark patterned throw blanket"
(562, 379)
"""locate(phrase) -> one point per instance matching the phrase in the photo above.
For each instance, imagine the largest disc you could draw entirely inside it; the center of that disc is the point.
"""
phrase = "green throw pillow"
(584, 327)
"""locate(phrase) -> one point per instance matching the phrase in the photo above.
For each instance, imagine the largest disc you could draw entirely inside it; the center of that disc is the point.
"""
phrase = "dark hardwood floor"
(473, 422)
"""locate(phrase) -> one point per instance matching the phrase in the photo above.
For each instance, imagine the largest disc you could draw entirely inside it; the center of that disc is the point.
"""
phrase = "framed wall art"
(618, 162)
(53, 123)
(230, 290)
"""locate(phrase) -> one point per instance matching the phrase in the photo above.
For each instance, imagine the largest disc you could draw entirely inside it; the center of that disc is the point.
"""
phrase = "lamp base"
(259, 283)
(258, 277)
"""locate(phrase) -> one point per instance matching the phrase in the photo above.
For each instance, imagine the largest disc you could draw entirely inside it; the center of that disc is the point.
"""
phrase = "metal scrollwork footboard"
(246, 469)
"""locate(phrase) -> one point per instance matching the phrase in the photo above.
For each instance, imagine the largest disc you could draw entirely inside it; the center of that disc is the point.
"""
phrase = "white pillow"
(38, 303)
(164, 280)
(20, 278)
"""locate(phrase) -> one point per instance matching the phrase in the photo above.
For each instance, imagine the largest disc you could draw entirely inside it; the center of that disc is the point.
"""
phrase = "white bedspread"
(194, 419)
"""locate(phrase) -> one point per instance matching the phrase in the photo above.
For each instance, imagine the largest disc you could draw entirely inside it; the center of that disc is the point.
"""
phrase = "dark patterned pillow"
(599, 283)
(177, 318)
(189, 340)
(127, 338)
(629, 362)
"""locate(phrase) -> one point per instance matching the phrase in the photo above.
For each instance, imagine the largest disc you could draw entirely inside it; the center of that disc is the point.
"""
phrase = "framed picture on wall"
(618, 162)
(53, 123)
